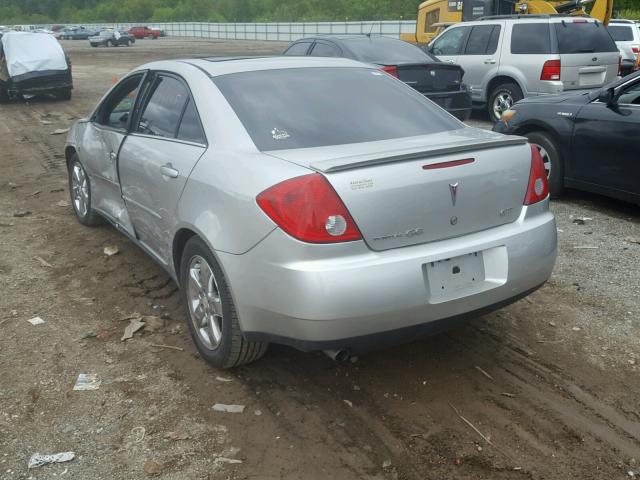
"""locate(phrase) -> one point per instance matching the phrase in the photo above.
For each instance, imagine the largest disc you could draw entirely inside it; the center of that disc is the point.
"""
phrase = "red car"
(144, 32)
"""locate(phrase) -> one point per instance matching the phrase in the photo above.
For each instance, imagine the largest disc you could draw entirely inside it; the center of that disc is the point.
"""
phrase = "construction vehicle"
(436, 15)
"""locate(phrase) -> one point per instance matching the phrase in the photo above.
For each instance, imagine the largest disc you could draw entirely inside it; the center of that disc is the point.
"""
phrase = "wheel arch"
(544, 128)
(497, 80)
(69, 152)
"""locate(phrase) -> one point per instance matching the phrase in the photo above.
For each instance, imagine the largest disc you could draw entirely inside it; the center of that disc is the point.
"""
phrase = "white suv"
(507, 58)
(626, 34)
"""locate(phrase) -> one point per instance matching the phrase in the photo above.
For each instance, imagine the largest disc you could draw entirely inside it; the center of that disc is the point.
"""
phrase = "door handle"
(112, 156)
(489, 61)
(449, 61)
(168, 171)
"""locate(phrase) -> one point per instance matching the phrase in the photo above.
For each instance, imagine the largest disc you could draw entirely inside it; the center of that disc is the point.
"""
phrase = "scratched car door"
(156, 160)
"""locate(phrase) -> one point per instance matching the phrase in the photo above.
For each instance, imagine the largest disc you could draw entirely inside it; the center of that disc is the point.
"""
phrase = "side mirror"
(608, 97)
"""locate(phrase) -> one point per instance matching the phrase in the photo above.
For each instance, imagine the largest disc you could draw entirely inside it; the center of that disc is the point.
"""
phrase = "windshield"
(314, 107)
(386, 51)
(583, 37)
(621, 33)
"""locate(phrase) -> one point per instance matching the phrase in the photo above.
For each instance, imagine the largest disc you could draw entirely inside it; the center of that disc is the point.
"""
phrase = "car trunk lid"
(431, 77)
(422, 189)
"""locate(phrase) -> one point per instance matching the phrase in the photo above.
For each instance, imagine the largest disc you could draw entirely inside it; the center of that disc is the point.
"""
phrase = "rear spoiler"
(369, 160)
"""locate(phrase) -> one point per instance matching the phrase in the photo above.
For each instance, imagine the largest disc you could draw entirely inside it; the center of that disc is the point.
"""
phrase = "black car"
(589, 141)
(112, 38)
(438, 81)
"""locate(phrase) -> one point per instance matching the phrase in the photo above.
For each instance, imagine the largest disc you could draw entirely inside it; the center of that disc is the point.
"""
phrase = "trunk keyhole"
(456, 270)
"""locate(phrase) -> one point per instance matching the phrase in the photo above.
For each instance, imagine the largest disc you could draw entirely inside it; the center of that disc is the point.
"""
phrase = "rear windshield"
(386, 51)
(315, 107)
(583, 37)
(621, 33)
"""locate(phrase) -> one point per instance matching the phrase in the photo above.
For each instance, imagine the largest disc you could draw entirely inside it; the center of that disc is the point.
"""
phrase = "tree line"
(99, 11)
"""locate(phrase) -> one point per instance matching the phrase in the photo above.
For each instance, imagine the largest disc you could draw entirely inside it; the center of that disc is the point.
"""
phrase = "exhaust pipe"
(338, 355)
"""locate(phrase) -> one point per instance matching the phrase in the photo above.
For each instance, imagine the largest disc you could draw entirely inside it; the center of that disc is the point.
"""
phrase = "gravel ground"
(551, 382)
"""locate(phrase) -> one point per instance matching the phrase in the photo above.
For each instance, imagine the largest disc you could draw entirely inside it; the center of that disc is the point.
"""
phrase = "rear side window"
(190, 127)
(531, 38)
(385, 51)
(621, 33)
(322, 49)
(162, 114)
(482, 40)
(583, 37)
(298, 49)
(348, 105)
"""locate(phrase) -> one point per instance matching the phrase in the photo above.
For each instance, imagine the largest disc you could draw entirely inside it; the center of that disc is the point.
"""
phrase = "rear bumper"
(456, 103)
(347, 296)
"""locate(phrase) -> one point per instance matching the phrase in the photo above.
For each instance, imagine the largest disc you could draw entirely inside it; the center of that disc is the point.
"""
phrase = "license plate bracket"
(455, 277)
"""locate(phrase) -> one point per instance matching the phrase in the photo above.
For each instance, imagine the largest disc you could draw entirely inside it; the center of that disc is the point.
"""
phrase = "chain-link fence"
(284, 32)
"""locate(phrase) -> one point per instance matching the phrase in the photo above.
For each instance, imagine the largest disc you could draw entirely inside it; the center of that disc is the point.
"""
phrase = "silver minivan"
(626, 34)
(507, 58)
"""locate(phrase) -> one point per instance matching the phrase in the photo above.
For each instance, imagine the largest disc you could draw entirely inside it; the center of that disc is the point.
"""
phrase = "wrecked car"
(33, 64)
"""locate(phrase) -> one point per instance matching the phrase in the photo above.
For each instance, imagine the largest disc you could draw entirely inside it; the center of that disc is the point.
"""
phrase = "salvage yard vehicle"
(587, 141)
(358, 216)
(144, 32)
(111, 38)
(33, 64)
(506, 58)
(626, 34)
(76, 33)
(440, 82)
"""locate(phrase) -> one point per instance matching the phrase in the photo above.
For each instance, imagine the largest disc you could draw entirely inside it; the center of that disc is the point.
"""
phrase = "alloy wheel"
(205, 303)
(80, 190)
(502, 103)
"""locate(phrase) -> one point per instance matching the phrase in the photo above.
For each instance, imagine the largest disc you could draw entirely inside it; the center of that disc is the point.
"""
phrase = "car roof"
(622, 21)
(217, 66)
(529, 18)
(346, 37)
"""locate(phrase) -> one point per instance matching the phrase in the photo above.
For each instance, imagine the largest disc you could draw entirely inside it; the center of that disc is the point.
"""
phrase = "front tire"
(64, 94)
(4, 94)
(128, 43)
(553, 164)
(80, 191)
(502, 98)
(211, 313)
(109, 43)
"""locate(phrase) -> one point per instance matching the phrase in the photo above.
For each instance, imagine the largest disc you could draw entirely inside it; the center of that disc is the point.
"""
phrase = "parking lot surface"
(544, 389)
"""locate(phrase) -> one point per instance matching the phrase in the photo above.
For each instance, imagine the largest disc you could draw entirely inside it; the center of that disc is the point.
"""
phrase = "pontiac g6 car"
(333, 221)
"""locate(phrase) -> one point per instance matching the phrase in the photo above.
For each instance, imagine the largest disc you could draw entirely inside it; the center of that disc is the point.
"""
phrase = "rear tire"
(552, 159)
(80, 192)
(502, 98)
(213, 323)
(128, 43)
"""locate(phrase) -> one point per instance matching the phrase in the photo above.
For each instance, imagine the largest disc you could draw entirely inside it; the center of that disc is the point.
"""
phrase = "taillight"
(309, 209)
(635, 50)
(538, 188)
(391, 70)
(550, 70)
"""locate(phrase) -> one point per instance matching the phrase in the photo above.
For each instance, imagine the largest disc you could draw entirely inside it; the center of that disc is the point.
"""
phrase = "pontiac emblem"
(453, 187)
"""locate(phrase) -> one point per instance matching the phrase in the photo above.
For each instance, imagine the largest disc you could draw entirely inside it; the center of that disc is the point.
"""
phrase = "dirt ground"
(548, 388)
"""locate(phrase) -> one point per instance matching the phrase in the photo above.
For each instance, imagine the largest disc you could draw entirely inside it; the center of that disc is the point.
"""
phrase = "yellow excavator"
(436, 15)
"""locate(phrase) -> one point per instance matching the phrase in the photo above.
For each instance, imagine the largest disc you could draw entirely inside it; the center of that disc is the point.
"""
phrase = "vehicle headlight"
(508, 115)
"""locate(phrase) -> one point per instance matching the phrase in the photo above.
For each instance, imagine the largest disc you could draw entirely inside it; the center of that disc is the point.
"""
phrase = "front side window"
(348, 105)
(431, 18)
(480, 38)
(630, 95)
(162, 113)
(531, 38)
(116, 109)
(298, 49)
(450, 42)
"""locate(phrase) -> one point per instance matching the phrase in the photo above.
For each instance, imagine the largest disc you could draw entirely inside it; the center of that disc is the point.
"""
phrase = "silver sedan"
(314, 202)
